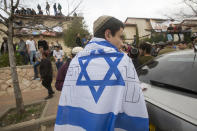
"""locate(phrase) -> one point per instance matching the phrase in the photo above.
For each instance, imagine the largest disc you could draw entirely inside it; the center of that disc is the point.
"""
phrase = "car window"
(178, 70)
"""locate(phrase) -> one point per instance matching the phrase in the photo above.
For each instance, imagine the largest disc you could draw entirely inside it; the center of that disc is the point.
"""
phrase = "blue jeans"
(25, 57)
(35, 69)
(32, 55)
(58, 64)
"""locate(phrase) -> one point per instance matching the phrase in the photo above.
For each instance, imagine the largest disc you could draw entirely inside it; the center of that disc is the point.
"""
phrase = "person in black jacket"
(78, 40)
(43, 43)
(55, 9)
(4, 46)
(46, 73)
(63, 69)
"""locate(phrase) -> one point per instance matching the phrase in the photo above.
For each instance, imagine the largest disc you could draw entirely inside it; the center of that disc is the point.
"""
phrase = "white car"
(171, 95)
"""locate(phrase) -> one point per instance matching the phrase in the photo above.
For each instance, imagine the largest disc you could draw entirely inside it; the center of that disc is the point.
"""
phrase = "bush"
(77, 26)
(4, 60)
(187, 37)
(155, 37)
(137, 37)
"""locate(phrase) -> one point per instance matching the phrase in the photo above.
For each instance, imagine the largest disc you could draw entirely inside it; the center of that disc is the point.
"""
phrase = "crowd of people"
(81, 42)
(32, 52)
(107, 44)
(35, 53)
(146, 51)
(141, 54)
(29, 11)
(38, 54)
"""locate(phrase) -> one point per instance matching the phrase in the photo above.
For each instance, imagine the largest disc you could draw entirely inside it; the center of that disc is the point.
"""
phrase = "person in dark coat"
(46, 73)
(4, 46)
(55, 9)
(22, 49)
(78, 40)
(39, 7)
(63, 69)
(145, 53)
(43, 43)
(60, 9)
(47, 8)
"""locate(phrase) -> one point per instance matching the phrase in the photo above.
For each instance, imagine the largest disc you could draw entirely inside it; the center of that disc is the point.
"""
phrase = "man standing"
(55, 9)
(23, 50)
(101, 91)
(37, 63)
(39, 7)
(60, 9)
(47, 8)
(46, 73)
(4, 46)
(58, 56)
(78, 40)
(31, 48)
(145, 53)
(84, 40)
(134, 41)
(58, 44)
(43, 43)
(63, 70)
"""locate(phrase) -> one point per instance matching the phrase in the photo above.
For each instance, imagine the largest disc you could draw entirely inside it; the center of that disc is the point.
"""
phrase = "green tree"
(8, 8)
(137, 37)
(77, 26)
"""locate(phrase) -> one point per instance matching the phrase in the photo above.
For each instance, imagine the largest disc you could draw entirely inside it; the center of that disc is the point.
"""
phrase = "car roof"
(180, 52)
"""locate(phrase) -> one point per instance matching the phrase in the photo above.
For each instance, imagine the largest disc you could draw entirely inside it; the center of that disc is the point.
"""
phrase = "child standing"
(46, 73)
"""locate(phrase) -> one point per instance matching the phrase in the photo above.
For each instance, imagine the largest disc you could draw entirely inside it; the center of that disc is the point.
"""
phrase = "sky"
(121, 9)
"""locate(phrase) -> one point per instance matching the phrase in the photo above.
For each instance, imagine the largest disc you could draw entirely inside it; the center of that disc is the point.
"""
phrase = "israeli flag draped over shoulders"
(101, 92)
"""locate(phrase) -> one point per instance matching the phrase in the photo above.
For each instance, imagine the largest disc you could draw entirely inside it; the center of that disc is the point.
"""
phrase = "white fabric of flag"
(101, 92)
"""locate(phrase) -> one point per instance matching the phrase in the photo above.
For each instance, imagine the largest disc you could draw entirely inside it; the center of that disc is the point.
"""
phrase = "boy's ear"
(107, 34)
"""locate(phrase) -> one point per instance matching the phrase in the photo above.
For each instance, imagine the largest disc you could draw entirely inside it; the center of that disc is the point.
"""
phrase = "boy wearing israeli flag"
(101, 91)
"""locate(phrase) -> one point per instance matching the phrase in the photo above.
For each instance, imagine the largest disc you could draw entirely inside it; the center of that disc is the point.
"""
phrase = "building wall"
(194, 29)
(191, 22)
(2, 34)
(142, 24)
(129, 32)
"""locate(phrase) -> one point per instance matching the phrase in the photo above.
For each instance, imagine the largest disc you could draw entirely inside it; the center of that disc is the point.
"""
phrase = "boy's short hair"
(106, 22)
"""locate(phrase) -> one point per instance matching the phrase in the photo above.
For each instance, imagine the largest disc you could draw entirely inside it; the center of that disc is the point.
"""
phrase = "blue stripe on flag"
(99, 122)
(104, 43)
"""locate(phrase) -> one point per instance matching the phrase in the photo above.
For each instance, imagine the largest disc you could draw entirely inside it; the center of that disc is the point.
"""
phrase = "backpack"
(61, 75)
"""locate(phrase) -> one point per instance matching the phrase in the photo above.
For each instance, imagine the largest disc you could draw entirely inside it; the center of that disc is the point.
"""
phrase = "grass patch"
(33, 111)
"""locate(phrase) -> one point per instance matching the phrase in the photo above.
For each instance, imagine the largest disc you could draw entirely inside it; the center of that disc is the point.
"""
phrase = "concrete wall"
(25, 75)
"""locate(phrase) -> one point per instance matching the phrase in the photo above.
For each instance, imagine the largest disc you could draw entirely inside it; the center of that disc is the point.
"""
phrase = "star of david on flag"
(113, 69)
